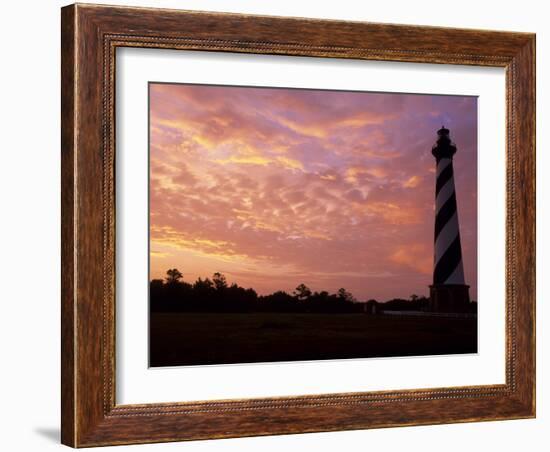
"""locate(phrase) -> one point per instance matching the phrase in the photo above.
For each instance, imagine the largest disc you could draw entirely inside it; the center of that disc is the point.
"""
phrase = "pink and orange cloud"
(275, 187)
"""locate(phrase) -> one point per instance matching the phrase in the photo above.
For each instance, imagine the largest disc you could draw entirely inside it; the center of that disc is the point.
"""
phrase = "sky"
(274, 187)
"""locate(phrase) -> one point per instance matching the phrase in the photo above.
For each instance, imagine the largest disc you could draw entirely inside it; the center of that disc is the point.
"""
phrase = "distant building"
(371, 307)
(448, 293)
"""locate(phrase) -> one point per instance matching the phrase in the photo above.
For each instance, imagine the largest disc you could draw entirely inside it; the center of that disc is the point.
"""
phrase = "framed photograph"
(281, 225)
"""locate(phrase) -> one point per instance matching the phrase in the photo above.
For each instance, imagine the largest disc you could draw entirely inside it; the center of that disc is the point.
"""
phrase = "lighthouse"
(448, 293)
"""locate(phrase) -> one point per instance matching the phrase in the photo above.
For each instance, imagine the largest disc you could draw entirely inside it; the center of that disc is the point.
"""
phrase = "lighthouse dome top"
(444, 147)
(443, 131)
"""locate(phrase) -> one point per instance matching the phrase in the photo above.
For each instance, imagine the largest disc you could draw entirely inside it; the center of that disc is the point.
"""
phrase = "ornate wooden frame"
(90, 35)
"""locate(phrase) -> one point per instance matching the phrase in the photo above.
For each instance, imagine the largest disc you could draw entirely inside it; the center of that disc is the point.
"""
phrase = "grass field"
(210, 338)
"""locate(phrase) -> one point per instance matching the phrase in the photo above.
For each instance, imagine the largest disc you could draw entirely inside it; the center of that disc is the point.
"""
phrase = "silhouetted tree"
(157, 296)
(219, 280)
(216, 295)
(278, 301)
(302, 292)
(413, 304)
(203, 284)
(157, 284)
(173, 276)
(344, 295)
(203, 288)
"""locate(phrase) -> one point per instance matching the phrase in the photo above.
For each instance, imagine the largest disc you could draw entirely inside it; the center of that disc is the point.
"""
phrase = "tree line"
(215, 294)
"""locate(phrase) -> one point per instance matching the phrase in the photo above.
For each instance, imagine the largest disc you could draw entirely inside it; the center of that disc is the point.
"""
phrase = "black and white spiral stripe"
(448, 268)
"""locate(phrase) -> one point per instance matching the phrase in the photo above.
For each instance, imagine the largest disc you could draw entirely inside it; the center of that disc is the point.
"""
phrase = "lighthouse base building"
(450, 298)
(448, 293)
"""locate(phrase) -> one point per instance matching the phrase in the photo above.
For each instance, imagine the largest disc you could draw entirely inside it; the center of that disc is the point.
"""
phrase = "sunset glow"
(277, 187)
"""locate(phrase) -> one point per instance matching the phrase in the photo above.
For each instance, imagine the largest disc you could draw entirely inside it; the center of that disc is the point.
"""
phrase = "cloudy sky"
(275, 187)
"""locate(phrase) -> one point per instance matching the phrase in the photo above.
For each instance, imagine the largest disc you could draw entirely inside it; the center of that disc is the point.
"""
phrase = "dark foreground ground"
(178, 339)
